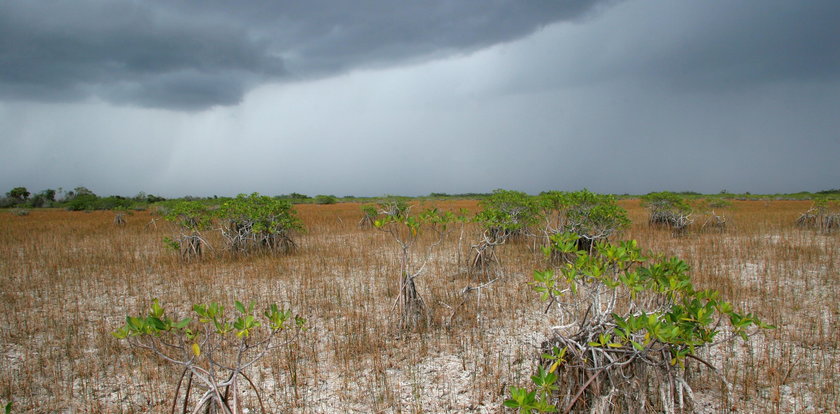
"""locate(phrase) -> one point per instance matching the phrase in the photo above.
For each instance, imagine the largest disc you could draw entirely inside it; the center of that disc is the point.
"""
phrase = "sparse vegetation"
(627, 325)
(823, 215)
(505, 214)
(592, 217)
(20, 212)
(406, 230)
(668, 209)
(325, 199)
(190, 218)
(214, 350)
(69, 277)
(254, 222)
(714, 217)
(369, 214)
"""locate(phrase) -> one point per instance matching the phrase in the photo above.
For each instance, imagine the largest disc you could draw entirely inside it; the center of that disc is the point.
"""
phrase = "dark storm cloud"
(125, 51)
(686, 47)
(197, 54)
(368, 98)
(726, 45)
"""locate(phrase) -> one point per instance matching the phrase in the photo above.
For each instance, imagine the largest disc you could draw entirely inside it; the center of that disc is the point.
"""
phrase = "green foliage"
(295, 198)
(369, 216)
(264, 214)
(668, 209)
(151, 198)
(394, 209)
(666, 201)
(172, 244)
(18, 193)
(822, 205)
(82, 199)
(189, 215)
(157, 324)
(661, 320)
(406, 229)
(43, 199)
(507, 212)
(83, 202)
(504, 214)
(213, 346)
(369, 210)
(259, 221)
(718, 204)
(113, 203)
(325, 199)
(538, 400)
(589, 215)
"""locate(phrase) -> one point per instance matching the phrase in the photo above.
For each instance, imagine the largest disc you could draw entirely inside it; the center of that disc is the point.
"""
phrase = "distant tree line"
(77, 199)
(83, 199)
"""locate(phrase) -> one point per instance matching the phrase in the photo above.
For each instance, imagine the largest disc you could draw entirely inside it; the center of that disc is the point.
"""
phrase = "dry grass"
(70, 278)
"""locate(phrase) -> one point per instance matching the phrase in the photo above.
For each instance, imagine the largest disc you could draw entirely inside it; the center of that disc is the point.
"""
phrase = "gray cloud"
(715, 47)
(732, 45)
(197, 54)
(631, 96)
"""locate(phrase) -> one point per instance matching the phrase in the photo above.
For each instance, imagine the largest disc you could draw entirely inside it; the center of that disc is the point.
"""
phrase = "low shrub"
(20, 212)
(325, 199)
(628, 324)
(213, 350)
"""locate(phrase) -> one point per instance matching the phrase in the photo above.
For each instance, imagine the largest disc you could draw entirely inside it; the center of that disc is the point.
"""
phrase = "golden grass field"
(70, 278)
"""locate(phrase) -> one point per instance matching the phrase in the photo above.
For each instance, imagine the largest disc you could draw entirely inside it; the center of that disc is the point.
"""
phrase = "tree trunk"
(412, 305)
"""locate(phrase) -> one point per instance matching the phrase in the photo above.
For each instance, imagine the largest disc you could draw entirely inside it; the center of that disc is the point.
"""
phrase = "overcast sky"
(382, 97)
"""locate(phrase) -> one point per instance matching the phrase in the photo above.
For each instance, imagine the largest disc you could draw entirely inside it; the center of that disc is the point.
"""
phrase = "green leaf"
(511, 403)
(157, 311)
(156, 323)
(121, 333)
(183, 323)
(135, 324)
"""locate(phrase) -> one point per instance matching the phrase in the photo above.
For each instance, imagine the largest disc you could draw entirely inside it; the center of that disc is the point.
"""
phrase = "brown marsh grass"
(69, 279)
